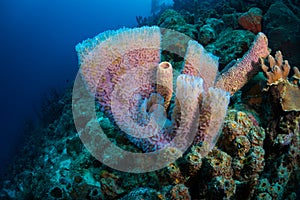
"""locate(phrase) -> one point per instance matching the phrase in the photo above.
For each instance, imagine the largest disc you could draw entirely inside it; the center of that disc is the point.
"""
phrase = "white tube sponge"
(188, 91)
(198, 62)
(213, 112)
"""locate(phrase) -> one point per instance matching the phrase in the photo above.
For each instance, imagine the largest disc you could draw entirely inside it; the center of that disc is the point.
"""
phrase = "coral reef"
(155, 90)
(282, 141)
(210, 30)
(142, 194)
(237, 164)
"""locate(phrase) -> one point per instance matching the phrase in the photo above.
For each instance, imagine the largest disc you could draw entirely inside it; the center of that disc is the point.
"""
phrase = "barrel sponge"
(188, 90)
(121, 69)
(200, 63)
(107, 57)
(213, 102)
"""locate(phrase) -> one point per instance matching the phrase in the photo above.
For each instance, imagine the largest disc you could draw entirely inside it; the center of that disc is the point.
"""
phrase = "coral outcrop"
(171, 19)
(240, 40)
(281, 25)
(235, 164)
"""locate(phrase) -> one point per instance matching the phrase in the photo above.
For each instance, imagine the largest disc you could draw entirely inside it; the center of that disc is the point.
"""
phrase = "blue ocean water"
(38, 39)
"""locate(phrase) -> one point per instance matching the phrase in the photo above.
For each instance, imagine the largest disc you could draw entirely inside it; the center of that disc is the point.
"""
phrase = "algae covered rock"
(170, 19)
(230, 45)
(209, 32)
(282, 27)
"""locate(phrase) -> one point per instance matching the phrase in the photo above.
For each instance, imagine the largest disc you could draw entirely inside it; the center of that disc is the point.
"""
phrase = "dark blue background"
(37, 43)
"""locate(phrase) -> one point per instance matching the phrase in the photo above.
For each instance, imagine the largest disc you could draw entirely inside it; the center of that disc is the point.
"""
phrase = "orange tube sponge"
(164, 82)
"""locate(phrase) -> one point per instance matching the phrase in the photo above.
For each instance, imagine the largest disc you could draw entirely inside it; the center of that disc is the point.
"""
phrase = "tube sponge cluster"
(122, 70)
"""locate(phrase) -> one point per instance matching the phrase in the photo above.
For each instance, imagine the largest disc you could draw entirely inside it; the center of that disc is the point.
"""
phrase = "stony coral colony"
(246, 143)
